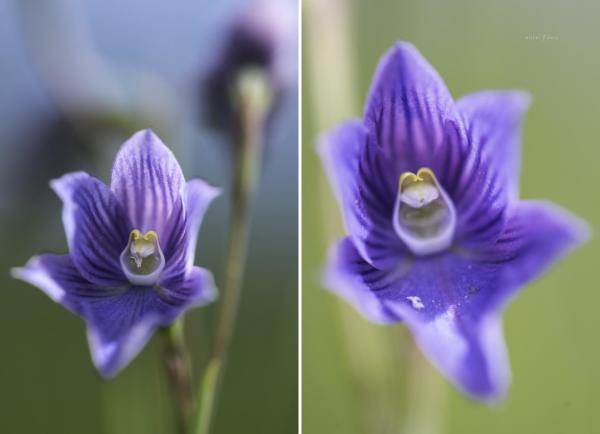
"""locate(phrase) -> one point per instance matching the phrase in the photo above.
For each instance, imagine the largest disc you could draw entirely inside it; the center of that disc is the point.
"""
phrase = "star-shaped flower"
(437, 236)
(131, 250)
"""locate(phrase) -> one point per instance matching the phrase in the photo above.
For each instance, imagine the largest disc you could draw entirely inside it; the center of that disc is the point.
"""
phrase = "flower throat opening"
(142, 259)
(424, 215)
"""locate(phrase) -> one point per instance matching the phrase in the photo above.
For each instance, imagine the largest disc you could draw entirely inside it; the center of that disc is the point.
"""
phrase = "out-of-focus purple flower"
(130, 267)
(437, 236)
(261, 38)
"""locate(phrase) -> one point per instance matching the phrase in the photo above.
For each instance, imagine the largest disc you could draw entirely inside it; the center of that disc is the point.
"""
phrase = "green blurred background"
(362, 378)
(77, 79)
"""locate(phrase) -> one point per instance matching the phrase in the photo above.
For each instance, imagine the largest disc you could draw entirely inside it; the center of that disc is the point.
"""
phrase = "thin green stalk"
(177, 363)
(374, 362)
(424, 412)
(252, 102)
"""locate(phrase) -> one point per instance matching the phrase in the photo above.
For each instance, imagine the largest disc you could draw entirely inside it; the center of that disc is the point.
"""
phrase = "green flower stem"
(252, 99)
(177, 363)
(424, 412)
(375, 355)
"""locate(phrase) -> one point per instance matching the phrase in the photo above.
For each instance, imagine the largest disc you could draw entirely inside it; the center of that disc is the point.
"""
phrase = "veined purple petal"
(120, 322)
(148, 182)
(59, 278)
(198, 196)
(537, 235)
(96, 228)
(440, 300)
(410, 123)
(413, 122)
(366, 201)
(181, 249)
(119, 327)
(350, 276)
(196, 290)
(470, 353)
(408, 112)
(451, 302)
(490, 183)
(493, 119)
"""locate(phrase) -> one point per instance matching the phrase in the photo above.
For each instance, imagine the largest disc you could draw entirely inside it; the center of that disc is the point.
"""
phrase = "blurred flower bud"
(260, 39)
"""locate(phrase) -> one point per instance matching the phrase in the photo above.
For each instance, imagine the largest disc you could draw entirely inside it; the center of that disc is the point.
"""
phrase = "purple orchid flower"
(130, 267)
(437, 236)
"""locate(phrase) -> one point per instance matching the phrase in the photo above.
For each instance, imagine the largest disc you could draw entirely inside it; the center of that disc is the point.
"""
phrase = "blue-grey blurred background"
(76, 79)
(359, 378)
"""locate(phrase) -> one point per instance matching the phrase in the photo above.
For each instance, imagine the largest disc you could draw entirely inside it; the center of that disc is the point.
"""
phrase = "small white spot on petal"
(416, 302)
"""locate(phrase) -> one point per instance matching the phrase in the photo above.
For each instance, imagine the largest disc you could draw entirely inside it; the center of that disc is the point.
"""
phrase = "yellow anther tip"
(424, 174)
(136, 235)
(150, 235)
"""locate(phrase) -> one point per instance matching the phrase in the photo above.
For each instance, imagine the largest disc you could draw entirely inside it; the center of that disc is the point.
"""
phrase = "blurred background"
(78, 78)
(362, 378)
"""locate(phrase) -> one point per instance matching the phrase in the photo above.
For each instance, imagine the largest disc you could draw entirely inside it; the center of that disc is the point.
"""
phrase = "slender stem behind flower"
(333, 88)
(251, 94)
(425, 400)
(177, 362)
(374, 364)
